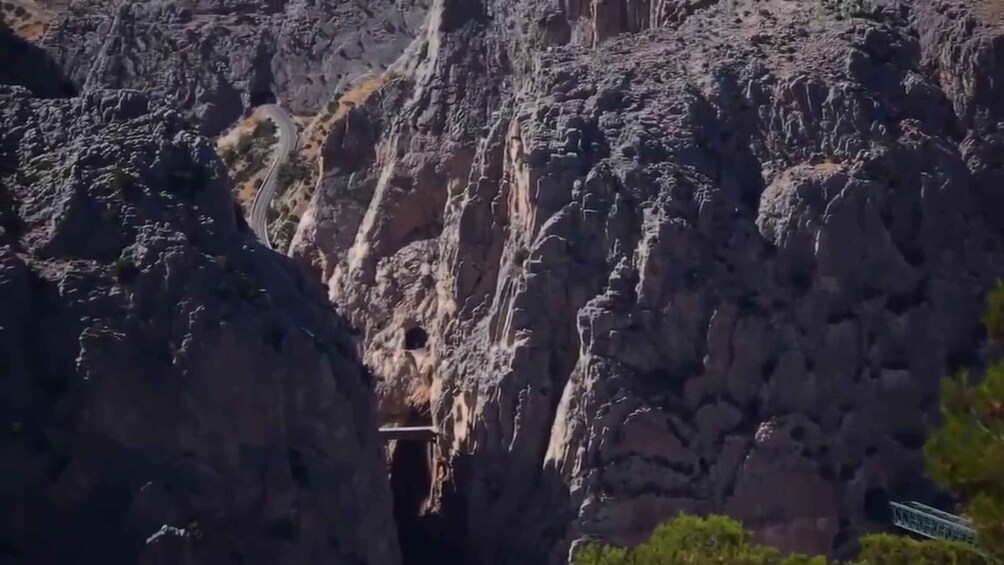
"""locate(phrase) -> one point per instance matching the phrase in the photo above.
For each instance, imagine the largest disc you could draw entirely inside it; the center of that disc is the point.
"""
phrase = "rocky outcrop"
(171, 392)
(218, 58)
(707, 256)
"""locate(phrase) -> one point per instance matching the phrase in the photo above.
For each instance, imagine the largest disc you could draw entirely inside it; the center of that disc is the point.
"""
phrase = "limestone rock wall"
(171, 392)
(699, 256)
(218, 58)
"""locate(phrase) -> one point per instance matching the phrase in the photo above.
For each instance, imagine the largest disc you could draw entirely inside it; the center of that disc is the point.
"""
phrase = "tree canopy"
(966, 454)
(719, 540)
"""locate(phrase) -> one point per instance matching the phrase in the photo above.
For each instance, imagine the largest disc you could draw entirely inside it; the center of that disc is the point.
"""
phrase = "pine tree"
(966, 455)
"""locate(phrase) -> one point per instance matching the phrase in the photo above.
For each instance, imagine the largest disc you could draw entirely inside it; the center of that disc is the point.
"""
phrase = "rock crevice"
(172, 392)
(668, 256)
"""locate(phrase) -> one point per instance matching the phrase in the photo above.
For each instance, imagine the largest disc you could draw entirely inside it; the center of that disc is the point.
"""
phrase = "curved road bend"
(287, 133)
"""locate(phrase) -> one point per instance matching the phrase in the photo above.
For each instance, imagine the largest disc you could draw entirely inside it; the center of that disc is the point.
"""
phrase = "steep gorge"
(171, 391)
(631, 257)
(670, 256)
(218, 59)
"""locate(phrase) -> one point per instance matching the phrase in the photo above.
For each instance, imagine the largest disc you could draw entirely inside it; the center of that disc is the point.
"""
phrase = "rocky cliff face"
(171, 392)
(218, 58)
(642, 257)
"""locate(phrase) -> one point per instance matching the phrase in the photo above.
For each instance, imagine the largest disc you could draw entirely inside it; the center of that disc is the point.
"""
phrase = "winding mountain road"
(266, 192)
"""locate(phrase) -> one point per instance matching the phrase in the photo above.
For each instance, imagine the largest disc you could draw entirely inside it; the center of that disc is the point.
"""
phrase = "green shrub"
(966, 454)
(690, 540)
(595, 554)
(993, 318)
(229, 156)
(718, 540)
(241, 176)
(292, 171)
(264, 128)
(120, 180)
(243, 145)
(885, 549)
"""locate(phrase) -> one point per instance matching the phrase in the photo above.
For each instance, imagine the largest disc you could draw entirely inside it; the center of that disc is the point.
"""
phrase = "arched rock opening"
(415, 338)
(260, 97)
(876, 505)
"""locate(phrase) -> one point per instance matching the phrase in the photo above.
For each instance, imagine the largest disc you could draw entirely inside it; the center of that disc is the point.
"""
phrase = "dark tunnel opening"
(420, 533)
(259, 97)
(876, 506)
(415, 338)
(411, 482)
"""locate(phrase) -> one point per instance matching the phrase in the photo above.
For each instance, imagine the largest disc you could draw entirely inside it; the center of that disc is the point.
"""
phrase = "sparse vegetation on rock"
(760, 232)
(159, 367)
(689, 540)
(29, 19)
(294, 170)
(248, 155)
(966, 454)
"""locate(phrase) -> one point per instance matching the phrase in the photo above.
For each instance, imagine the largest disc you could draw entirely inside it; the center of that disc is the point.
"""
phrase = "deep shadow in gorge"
(421, 535)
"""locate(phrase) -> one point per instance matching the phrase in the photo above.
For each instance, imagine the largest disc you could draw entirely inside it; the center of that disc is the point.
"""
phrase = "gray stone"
(653, 228)
(172, 391)
(216, 59)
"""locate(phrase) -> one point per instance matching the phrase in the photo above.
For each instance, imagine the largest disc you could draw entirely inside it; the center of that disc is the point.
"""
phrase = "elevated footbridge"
(409, 433)
(932, 523)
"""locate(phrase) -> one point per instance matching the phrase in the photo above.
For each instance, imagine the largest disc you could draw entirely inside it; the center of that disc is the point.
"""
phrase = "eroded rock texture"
(708, 256)
(171, 392)
(217, 58)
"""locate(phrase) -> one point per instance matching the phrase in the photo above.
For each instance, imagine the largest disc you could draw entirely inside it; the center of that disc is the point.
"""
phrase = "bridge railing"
(413, 433)
(931, 522)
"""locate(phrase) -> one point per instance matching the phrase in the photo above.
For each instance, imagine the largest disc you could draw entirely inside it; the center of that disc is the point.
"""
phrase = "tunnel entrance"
(259, 97)
(420, 533)
(411, 482)
(876, 506)
(415, 338)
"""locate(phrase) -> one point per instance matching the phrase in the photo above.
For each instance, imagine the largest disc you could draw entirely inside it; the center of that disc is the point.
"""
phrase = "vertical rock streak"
(670, 256)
